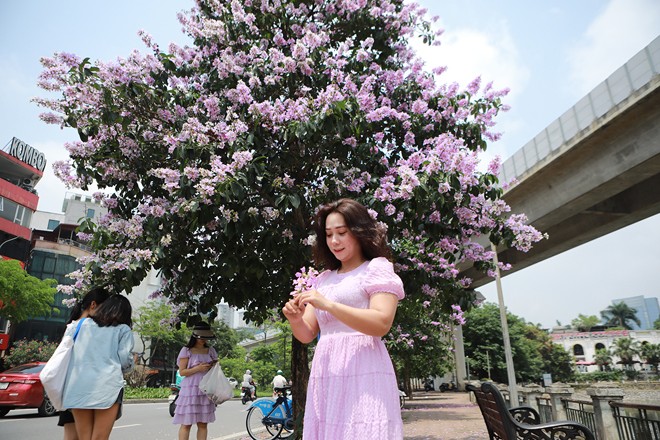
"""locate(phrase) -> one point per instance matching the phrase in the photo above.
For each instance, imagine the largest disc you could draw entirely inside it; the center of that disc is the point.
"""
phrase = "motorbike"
(174, 393)
(447, 386)
(428, 385)
(246, 394)
(172, 398)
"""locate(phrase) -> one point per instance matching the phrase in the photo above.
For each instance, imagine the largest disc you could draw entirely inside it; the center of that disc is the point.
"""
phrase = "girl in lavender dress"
(193, 406)
(352, 391)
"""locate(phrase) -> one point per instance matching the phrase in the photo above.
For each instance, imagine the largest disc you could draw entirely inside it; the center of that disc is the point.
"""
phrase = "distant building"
(54, 251)
(583, 345)
(647, 310)
(21, 167)
(226, 314)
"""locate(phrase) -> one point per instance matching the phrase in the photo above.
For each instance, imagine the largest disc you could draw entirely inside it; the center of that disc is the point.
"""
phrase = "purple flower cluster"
(305, 280)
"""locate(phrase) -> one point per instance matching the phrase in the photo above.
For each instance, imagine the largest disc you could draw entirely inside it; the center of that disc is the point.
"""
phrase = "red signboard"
(4, 341)
(7, 258)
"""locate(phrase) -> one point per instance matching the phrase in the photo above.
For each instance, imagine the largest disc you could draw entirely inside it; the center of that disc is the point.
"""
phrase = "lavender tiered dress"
(193, 406)
(352, 391)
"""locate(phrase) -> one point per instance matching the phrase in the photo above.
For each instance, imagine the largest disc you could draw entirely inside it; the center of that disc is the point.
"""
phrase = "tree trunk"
(406, 382)
(300, 377)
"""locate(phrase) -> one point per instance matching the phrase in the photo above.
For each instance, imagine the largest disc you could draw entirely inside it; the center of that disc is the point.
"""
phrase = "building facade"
(21, 168)
(583, 345)
(54, 251)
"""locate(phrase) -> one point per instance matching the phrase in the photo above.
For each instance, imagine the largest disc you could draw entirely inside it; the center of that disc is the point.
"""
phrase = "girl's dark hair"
(97, 295)
(193, 340)
(371, 236)
(114, 311)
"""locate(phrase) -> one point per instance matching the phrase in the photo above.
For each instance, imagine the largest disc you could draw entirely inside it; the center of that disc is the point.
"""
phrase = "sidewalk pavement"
(442, 416)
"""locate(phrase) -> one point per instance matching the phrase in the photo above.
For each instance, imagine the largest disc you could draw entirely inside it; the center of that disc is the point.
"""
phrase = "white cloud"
(619, 32)
(468, 53)
(489, 52)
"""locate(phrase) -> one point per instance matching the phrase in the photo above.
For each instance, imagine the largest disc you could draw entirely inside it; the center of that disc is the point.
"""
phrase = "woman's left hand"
(314, 298)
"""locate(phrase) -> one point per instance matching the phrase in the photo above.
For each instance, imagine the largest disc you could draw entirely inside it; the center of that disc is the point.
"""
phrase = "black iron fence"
(636, 421)
(581, 411)
(545, 409)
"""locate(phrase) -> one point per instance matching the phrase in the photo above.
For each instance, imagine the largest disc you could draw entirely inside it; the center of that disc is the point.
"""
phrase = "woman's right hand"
(293, 311)
(203, 368)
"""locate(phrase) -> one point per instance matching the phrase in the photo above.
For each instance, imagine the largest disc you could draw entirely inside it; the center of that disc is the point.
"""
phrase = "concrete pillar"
(459, 356)
(601, 394)
(558, 391)
(530, 393)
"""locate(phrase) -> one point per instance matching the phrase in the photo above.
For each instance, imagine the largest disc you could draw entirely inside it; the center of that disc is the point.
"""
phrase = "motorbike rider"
(279, 381)
(248, 382)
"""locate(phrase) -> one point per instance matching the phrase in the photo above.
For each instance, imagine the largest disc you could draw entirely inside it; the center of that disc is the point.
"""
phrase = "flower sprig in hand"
(305, 280)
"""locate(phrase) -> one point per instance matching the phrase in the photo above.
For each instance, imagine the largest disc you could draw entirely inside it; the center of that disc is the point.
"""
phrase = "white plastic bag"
(54, 372)
(216, 386)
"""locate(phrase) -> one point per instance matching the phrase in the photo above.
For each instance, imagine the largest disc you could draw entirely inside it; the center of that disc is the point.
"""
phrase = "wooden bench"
(522, 422)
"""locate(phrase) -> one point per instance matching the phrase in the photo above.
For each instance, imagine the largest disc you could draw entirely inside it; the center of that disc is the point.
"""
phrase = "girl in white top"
(101, 355)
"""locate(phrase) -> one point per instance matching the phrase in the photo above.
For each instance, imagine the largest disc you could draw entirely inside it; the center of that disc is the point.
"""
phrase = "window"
(90, 213)
(52, 224)
(14, 212)
(600, 346)
(578, 350)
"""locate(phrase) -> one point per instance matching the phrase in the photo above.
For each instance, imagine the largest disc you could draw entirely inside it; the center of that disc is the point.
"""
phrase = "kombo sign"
(25, 153)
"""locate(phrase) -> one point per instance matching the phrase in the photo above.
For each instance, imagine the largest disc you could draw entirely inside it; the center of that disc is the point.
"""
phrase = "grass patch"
(146, 393)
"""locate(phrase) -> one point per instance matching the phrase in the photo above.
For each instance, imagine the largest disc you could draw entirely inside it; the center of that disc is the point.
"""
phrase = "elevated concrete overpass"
(592, 171)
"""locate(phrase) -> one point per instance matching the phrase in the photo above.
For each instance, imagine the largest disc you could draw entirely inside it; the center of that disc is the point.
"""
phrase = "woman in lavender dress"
(192, 405)
(352, 391)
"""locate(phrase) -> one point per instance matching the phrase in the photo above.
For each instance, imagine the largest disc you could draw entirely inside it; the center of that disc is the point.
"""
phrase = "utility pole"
(488, 363)
(511, 373)
(467, 365)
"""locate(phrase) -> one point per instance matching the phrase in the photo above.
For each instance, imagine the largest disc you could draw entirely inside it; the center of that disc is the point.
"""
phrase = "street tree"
(584, 323)
(651, 355)
(421, 343)
(603, 359)
(482, 336)
(620, 314)
(155, 325)
(22, 295)
(626, 349)
(555, 359)
(219, 153)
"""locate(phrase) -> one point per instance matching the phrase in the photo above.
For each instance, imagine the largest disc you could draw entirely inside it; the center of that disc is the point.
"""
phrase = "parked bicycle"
(269, 419)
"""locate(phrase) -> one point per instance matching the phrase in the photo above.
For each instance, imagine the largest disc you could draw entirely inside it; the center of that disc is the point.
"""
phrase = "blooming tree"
(218, 153)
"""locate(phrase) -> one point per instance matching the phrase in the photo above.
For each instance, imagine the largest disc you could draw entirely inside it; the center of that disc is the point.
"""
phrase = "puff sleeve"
(380, 278)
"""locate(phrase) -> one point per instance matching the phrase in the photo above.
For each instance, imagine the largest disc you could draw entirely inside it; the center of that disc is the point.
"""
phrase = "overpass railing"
(639, 71)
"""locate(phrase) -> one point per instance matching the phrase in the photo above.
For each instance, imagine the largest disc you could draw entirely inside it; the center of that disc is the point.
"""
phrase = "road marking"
(127, 426)
(233, 437)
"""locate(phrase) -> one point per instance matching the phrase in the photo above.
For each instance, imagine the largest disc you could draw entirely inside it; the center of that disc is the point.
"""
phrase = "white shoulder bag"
(54, 373)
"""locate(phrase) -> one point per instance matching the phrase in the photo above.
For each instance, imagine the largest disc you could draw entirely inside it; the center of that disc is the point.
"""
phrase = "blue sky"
(549, 54)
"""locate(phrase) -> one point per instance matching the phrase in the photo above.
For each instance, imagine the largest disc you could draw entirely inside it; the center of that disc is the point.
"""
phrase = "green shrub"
(24, 351)
(162, 393)
(600, 376)
(146, 393)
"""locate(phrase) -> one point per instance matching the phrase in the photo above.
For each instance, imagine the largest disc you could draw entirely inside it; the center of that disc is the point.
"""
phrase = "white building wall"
(40, 219)
(226, 314)
(589, 341)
